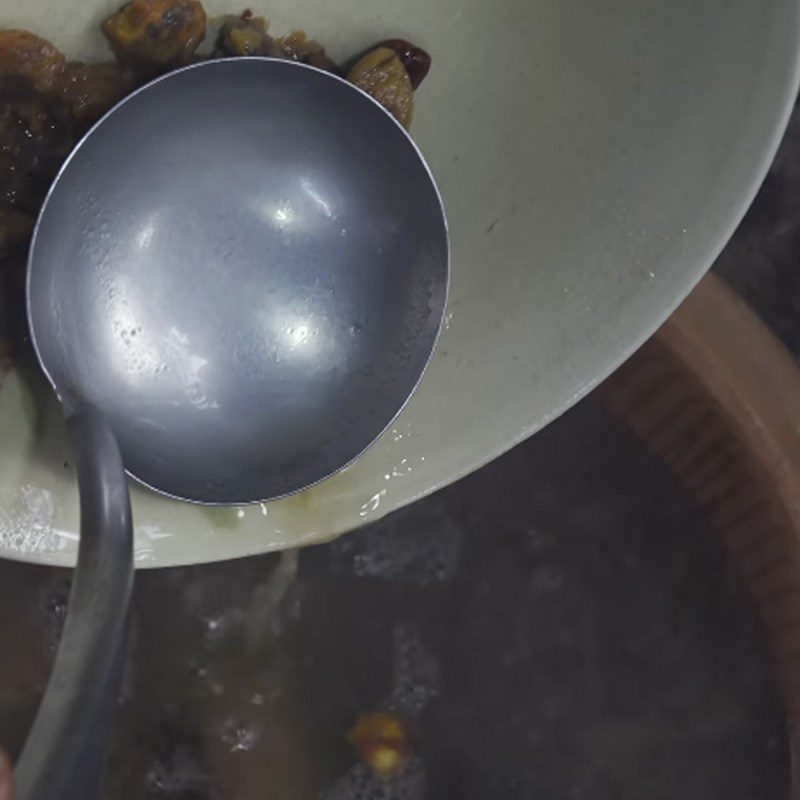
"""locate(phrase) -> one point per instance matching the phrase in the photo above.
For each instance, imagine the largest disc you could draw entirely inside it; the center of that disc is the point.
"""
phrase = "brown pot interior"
(717, 396)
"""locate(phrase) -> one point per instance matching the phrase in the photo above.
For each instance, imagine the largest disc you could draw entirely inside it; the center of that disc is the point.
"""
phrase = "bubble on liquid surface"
(178, 774)
(239, 737)
(52, 601)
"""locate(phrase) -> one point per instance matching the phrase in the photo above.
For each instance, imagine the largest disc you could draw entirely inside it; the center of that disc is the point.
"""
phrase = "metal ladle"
(234, 285)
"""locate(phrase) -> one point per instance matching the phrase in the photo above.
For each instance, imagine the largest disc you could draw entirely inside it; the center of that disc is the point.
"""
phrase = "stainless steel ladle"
(234, 286)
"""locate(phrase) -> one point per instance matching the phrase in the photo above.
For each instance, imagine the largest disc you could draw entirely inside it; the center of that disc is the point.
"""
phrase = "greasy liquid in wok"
(564, 624)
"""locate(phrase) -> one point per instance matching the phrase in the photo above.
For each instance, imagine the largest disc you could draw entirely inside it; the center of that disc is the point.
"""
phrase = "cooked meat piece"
(382, 741)
(244, 35)
(416, 61)
(22, 53)
(155, 35)
(35, 137)
(247, 35)
(298, 47)
(381, 73)
(91, 89)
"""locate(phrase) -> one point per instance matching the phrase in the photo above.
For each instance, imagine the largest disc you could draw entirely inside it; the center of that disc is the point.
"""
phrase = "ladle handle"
(65, 754)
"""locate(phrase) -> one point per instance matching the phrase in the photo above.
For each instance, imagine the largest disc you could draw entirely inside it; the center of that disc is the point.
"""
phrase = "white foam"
(400, 550)
(415, 672)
